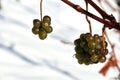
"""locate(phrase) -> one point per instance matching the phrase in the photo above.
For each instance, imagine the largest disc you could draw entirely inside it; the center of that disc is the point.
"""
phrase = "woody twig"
(109, 20)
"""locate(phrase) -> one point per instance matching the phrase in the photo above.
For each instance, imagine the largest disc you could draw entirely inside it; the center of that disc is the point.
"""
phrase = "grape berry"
(42, 28)
(89, 49)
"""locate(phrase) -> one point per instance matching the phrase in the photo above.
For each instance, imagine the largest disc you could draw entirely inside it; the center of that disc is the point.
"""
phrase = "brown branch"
(103, 38)
(90, 27)
(102, 12)
(107, 23)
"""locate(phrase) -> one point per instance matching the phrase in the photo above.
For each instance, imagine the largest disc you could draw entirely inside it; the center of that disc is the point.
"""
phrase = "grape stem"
(103, 39)
(90, 27)
(41, 9)
(113, 57)
(109, 20)
(112, 62)
(101, 12)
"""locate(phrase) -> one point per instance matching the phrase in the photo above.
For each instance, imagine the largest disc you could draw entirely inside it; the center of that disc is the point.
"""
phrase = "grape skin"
(94, 58)
(91, 51)
(102, 59)
(45, 24)
(36, 23)
(77, 42)
(91, 44)
(49, 29)
(46, 18)
(35, 30)
(42, 35)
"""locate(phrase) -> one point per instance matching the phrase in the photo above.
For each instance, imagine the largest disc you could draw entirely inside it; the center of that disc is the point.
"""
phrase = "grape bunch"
(42, 28)
(90, 49)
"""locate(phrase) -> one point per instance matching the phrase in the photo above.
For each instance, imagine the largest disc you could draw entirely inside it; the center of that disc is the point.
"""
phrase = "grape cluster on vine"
(42, 28)
(90, 49)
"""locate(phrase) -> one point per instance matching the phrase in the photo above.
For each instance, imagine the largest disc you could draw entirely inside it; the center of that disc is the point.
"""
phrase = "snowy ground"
(25, 57)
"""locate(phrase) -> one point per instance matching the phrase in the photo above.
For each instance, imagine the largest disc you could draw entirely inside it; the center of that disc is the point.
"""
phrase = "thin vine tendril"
(90, 28)
(41, 9)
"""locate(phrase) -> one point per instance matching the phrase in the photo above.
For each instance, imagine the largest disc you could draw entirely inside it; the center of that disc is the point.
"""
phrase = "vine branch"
(101, 12)
(109, 20)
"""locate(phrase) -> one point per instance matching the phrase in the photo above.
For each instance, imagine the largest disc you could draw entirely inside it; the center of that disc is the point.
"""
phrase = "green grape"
(91, 51)
(96, 36)
(42, 34)
(49, 30)
(86, 62)
(86, 48)
(104, 51)
(82, 36)
(97, 39)
(35, 30)
(46, 18)
(106, 44)
(80, 61)
(82, 43)
(102, 59)
(91, 44)
(98, 46)
(94, 58)
(77, 56)
(77, 42)
(36, 23)
(45, 25)
(98, 52)
(89, 38)
(88, 35)
(81, 56)
(78, 49)
(95, 62)
(91, 62)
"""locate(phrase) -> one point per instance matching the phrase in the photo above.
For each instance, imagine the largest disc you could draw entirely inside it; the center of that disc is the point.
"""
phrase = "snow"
(25, 57)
